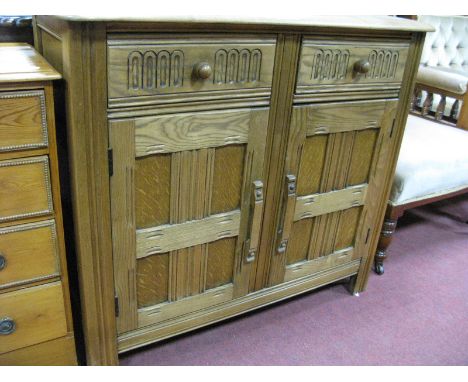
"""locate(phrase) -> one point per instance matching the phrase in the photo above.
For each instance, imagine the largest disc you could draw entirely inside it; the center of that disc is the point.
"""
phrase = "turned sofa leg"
(386, 236)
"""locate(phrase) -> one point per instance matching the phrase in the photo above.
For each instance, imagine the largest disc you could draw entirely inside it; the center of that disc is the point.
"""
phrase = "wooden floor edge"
(152, 334)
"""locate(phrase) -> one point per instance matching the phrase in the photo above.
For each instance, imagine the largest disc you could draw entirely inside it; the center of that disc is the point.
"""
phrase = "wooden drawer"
(57, 352)
(23, 122)
(25, 188)
(28, 253)
(159, 69)
(331, 65)
(30, 316)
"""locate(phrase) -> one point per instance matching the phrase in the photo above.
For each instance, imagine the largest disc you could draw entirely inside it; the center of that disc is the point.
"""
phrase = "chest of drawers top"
(21, 63)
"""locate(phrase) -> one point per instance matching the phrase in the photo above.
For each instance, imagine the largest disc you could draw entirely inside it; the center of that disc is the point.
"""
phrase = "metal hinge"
(393, 126)
(116, 304)
(367, 236)
(110, 159)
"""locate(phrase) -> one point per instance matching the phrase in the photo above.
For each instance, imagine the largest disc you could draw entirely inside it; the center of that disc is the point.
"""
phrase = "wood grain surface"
(39, 315)
(152, 280)
(152, 190)
(220, 262)
(21, 63)
(330, 63)
(25, 188)
(58, 352)
(23, 122)
(145, 65)
(189, 131)
(227, 178)
(170, 237)
(30, 251)
(310, 168)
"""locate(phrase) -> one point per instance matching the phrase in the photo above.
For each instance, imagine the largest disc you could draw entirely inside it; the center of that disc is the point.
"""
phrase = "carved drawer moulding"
(330, 65)
(156, 66)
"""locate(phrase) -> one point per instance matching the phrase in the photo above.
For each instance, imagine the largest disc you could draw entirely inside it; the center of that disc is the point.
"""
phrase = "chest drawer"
(28, 253)
(190, 67)
(23, 123)
(30, 316)
(25, 188)
(333, 65)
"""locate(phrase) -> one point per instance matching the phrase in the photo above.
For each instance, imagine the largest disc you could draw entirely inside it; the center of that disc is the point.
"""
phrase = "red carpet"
(415, 314)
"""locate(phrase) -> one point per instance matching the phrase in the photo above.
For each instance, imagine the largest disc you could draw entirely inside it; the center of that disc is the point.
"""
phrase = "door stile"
(378, 173)
(253, 172)
(122, 137)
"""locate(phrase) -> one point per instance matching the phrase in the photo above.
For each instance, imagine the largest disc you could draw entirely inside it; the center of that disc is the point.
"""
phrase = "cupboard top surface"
(281, 19)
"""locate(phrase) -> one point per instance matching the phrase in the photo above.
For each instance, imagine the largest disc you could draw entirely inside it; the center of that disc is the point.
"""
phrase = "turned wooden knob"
(202, 70)
(362, 66)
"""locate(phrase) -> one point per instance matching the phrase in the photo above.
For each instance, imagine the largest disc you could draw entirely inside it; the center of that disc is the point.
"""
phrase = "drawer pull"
(362, 66)
(3, 262)
(202, 71)
(7, 326)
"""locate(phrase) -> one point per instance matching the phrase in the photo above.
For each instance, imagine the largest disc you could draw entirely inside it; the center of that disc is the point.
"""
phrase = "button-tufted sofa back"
(448, 45)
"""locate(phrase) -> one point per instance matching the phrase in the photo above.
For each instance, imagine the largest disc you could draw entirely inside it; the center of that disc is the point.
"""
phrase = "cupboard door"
(187, 203)
(335, 169)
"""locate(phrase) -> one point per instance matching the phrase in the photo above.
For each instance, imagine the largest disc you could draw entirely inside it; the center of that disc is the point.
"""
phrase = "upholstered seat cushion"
(449, 79)
(433, 161)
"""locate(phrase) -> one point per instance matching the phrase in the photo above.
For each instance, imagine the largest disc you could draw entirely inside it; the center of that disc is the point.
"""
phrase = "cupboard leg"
(351, 285)
(386, 236)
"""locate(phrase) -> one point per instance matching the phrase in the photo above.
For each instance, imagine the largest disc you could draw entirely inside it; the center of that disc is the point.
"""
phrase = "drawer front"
(23, 122)
(30, 316)
(28, 253)
(25, 188)
(340, 65)
(141, 67)
(57, 352)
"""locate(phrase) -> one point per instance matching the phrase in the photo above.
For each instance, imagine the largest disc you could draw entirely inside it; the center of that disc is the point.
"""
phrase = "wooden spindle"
(440, 108)
(417, 101)
(454, 110)
(427, 105)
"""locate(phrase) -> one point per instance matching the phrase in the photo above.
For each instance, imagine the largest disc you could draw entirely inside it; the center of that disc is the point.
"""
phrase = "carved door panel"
(335, 169)
(187, 201)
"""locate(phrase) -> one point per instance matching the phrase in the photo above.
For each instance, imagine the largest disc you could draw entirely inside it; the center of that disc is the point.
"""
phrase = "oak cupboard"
(35, 314)
(218, 166)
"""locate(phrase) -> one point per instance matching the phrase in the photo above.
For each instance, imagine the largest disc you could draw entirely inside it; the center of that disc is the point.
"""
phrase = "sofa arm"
(446, 79)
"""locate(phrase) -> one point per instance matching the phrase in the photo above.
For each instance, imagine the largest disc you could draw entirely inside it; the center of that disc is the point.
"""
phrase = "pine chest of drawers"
(218, 167)
(35, 316)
